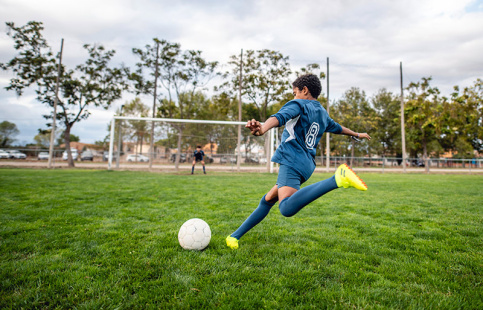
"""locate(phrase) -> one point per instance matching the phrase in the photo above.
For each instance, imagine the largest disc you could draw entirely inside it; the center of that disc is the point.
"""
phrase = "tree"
(265, 78)
(312, 68)
(179, 72)
(466, 110)
(422, 111)
(474, 103)
(61, 139)
(459, 129)
(7, 132)
(187, 73)
(158, 60)
(193, 134)
(354, 111)
(388, 110)
(93, 83)
(161, 59)
(42, 139)
(137, 129)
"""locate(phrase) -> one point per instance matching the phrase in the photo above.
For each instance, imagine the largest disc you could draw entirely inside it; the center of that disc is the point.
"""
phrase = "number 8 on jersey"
(311, 137)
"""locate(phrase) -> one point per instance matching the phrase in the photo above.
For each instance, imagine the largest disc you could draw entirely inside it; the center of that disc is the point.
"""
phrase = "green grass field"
(98, 239)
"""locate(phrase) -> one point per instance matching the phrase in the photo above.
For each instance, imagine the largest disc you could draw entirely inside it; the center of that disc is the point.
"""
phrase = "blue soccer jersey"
(199, 155)
(305, 122)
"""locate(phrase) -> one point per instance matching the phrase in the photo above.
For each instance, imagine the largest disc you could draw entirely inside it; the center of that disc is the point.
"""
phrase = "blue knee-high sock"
(192, 169)
(293, 204)
(256, 217)
(204, 169)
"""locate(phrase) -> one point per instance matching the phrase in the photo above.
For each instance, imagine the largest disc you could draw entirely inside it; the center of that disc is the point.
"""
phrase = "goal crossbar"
(176, 120)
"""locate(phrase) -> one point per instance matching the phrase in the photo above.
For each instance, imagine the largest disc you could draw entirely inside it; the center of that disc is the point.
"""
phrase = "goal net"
(166, 144)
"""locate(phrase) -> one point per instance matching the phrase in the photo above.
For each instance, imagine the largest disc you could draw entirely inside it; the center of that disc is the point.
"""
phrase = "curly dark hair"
(311, 81)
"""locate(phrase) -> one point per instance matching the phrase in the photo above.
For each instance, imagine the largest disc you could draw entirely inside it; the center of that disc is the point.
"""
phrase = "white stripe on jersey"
(289, 127)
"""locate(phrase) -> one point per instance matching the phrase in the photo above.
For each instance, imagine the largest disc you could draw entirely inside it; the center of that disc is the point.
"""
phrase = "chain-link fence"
(412, 164)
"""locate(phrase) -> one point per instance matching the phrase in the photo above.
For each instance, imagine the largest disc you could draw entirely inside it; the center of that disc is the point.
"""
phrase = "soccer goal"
(166, 143)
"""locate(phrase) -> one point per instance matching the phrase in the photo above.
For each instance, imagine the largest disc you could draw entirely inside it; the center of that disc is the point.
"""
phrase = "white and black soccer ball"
(194, 234)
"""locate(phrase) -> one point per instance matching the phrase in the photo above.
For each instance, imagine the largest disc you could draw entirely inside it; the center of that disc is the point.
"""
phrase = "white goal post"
(272, 133)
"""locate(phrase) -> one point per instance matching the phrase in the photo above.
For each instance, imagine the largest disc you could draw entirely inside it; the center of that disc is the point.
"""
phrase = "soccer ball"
(194, 234)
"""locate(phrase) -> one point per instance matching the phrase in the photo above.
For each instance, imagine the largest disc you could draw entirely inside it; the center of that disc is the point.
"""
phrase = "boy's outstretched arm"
(258, 129)
(348, 132)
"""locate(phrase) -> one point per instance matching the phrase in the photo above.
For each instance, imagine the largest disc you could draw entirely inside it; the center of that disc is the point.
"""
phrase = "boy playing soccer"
(305, 122)
(198, 156)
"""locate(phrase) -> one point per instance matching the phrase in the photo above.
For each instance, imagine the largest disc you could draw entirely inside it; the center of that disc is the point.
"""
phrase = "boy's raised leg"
(293, 204)
(343, 177)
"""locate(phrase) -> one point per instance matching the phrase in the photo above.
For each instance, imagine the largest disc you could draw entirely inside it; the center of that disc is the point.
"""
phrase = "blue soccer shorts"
(287, 176)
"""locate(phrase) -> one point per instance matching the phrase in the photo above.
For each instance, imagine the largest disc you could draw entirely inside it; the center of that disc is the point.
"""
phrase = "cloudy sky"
(365, 41)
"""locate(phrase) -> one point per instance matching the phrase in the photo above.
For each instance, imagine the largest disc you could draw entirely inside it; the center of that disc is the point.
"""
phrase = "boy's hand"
(255, 127)
(364, 135)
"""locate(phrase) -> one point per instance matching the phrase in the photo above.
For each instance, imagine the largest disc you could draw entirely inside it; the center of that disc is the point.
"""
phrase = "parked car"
(182, 158)
(105, 156)
(418, 163)
(17, 154)
(208, 159)
(87, 155)
(43, 156)
(4, 154)
(228, 159)
(74, 152)
(252, 160)
(137, 157)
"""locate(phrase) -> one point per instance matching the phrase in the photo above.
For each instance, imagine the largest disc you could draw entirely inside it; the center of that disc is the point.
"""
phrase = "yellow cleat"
(345, 177)
(232, 242)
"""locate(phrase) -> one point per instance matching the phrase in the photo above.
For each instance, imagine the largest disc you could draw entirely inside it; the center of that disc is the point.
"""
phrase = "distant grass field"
(98, 239)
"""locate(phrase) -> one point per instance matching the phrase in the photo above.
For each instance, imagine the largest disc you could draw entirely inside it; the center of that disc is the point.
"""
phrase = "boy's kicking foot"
(345, 177)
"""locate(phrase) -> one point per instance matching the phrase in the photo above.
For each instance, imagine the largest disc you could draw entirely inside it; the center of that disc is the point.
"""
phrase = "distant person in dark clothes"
(198, 157)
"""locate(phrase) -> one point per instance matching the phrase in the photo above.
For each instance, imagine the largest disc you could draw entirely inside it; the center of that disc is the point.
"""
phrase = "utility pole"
(119, 139)
(327, 161)
(403, 130)
(238, 159)
(56, 99)
(151, 148)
